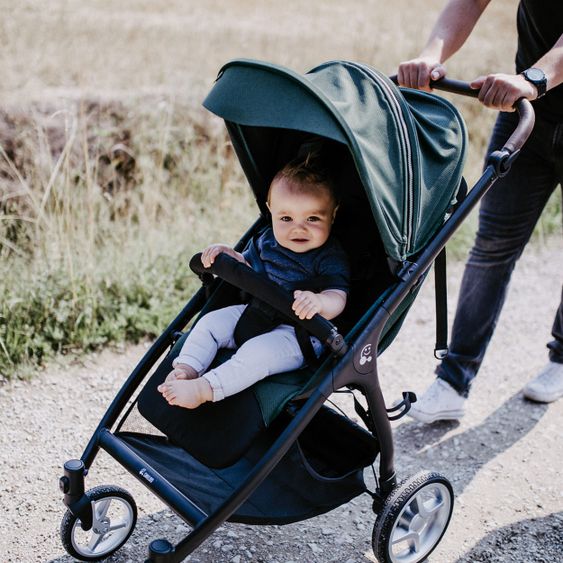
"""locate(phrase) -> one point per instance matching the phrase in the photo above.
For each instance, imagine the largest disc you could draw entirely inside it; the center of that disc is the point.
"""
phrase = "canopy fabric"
(408, 146)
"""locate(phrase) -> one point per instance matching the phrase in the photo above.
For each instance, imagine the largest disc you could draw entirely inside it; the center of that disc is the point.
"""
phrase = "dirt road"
(504, 459)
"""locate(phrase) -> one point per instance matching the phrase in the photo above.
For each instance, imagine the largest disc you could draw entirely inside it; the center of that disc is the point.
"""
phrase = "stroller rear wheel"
(413, 519)
(114, 518)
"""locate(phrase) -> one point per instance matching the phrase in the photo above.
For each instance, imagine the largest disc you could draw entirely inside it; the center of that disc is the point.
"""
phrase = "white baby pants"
(273, 352)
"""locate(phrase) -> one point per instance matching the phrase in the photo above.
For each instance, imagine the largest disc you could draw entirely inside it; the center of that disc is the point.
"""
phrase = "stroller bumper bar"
(242, 276)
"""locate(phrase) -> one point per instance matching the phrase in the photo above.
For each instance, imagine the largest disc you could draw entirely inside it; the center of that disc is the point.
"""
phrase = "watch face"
(535, 75)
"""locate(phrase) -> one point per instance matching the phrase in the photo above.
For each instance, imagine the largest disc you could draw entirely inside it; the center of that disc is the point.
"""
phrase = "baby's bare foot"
(188, 394)
(182, 371)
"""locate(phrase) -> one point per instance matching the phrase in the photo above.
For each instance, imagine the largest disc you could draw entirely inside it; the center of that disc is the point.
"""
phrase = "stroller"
(276, 453)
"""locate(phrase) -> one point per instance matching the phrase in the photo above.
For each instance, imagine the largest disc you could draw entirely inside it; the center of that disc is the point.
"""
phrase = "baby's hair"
(307, 173)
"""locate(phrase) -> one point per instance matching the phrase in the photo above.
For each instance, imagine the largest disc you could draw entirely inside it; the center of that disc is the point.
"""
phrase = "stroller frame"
(346, 373)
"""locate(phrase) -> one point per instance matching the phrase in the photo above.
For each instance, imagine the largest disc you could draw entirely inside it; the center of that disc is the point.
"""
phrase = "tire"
(117, 515)
(413, 519)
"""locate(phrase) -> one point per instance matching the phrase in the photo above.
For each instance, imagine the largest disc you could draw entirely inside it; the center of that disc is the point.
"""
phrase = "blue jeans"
(507, 216)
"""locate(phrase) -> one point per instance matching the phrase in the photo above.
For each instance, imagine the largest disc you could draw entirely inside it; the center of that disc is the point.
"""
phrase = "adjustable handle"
(242, 276)
(522, 106)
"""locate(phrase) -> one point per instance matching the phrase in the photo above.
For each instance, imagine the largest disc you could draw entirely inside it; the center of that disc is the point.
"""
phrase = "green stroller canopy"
(408, 146)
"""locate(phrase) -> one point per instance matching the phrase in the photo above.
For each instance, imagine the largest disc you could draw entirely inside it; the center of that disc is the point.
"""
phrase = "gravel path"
(504, 459)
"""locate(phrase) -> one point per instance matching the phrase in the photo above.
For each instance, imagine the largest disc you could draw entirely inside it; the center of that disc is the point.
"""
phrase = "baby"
(297, 248)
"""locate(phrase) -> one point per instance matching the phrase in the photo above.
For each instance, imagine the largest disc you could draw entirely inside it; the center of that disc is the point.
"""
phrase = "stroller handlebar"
(243, 277)
(522, 106)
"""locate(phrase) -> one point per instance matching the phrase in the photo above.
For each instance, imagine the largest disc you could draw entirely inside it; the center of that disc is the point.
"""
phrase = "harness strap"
(304, 341)
(441, 293)
(363, 413)
(259, 318)
(441, 288)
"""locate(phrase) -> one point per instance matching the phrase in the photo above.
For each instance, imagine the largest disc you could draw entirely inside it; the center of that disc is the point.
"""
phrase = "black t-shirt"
(540, 24)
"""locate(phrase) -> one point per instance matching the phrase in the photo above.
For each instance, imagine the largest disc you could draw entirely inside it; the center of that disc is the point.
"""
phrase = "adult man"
(513, 205)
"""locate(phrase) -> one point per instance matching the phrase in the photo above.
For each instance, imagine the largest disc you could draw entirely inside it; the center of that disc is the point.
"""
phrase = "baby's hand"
(211, 252)
(306, 304)
(181, 371)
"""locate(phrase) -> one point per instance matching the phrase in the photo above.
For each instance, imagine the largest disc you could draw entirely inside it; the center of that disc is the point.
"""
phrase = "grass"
(111, 175)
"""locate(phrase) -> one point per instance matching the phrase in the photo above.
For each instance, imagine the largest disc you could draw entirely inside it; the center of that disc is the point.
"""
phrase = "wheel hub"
(420, 524)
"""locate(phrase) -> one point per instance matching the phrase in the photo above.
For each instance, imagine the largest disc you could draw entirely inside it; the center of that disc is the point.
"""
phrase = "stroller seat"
(218, 434)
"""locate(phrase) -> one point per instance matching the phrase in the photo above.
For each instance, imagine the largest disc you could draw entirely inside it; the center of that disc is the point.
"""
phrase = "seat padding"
(216, 434)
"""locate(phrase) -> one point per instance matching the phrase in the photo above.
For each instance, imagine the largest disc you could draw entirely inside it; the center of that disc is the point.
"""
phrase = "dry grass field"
(111, 174)
(136, 49)
(175, 47)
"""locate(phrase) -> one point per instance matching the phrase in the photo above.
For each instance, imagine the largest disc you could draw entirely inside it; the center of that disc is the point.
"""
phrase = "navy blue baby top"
(287, 268)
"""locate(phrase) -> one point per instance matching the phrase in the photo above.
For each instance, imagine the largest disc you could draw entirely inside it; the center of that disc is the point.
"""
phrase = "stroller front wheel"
(413, 519)
(114, 518)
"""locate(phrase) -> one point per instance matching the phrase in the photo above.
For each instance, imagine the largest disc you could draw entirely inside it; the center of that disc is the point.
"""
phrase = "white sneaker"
(547, 386)
(440, 402)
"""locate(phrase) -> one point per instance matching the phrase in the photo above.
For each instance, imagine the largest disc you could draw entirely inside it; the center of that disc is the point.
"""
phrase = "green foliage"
(47, 314)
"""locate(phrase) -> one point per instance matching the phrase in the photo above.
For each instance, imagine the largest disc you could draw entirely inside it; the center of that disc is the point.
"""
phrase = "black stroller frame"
(351, 371)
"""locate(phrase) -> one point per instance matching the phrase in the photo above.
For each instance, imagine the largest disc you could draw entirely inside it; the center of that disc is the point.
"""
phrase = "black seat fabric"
(216, 434)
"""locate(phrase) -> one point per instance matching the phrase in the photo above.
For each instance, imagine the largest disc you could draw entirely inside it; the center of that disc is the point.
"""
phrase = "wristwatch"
(536, 77)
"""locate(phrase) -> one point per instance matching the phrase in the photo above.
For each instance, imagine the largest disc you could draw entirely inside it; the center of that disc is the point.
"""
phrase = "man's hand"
(417, 73)
(502, 91)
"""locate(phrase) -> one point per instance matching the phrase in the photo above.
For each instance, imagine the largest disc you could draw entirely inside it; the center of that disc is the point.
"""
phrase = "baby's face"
(301, 221)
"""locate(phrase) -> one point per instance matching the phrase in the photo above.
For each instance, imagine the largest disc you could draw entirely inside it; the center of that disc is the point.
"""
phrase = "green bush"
(46, 315)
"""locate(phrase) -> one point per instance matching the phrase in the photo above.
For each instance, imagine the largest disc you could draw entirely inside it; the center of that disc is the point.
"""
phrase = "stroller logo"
(366, 356)
(145, 474)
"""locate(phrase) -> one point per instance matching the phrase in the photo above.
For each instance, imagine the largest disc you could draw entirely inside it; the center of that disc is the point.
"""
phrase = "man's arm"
(552, 64)
(454, 25)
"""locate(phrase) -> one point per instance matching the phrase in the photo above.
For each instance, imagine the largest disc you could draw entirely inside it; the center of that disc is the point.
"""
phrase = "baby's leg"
(274, 352)
(213, 331)
(186, 393)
